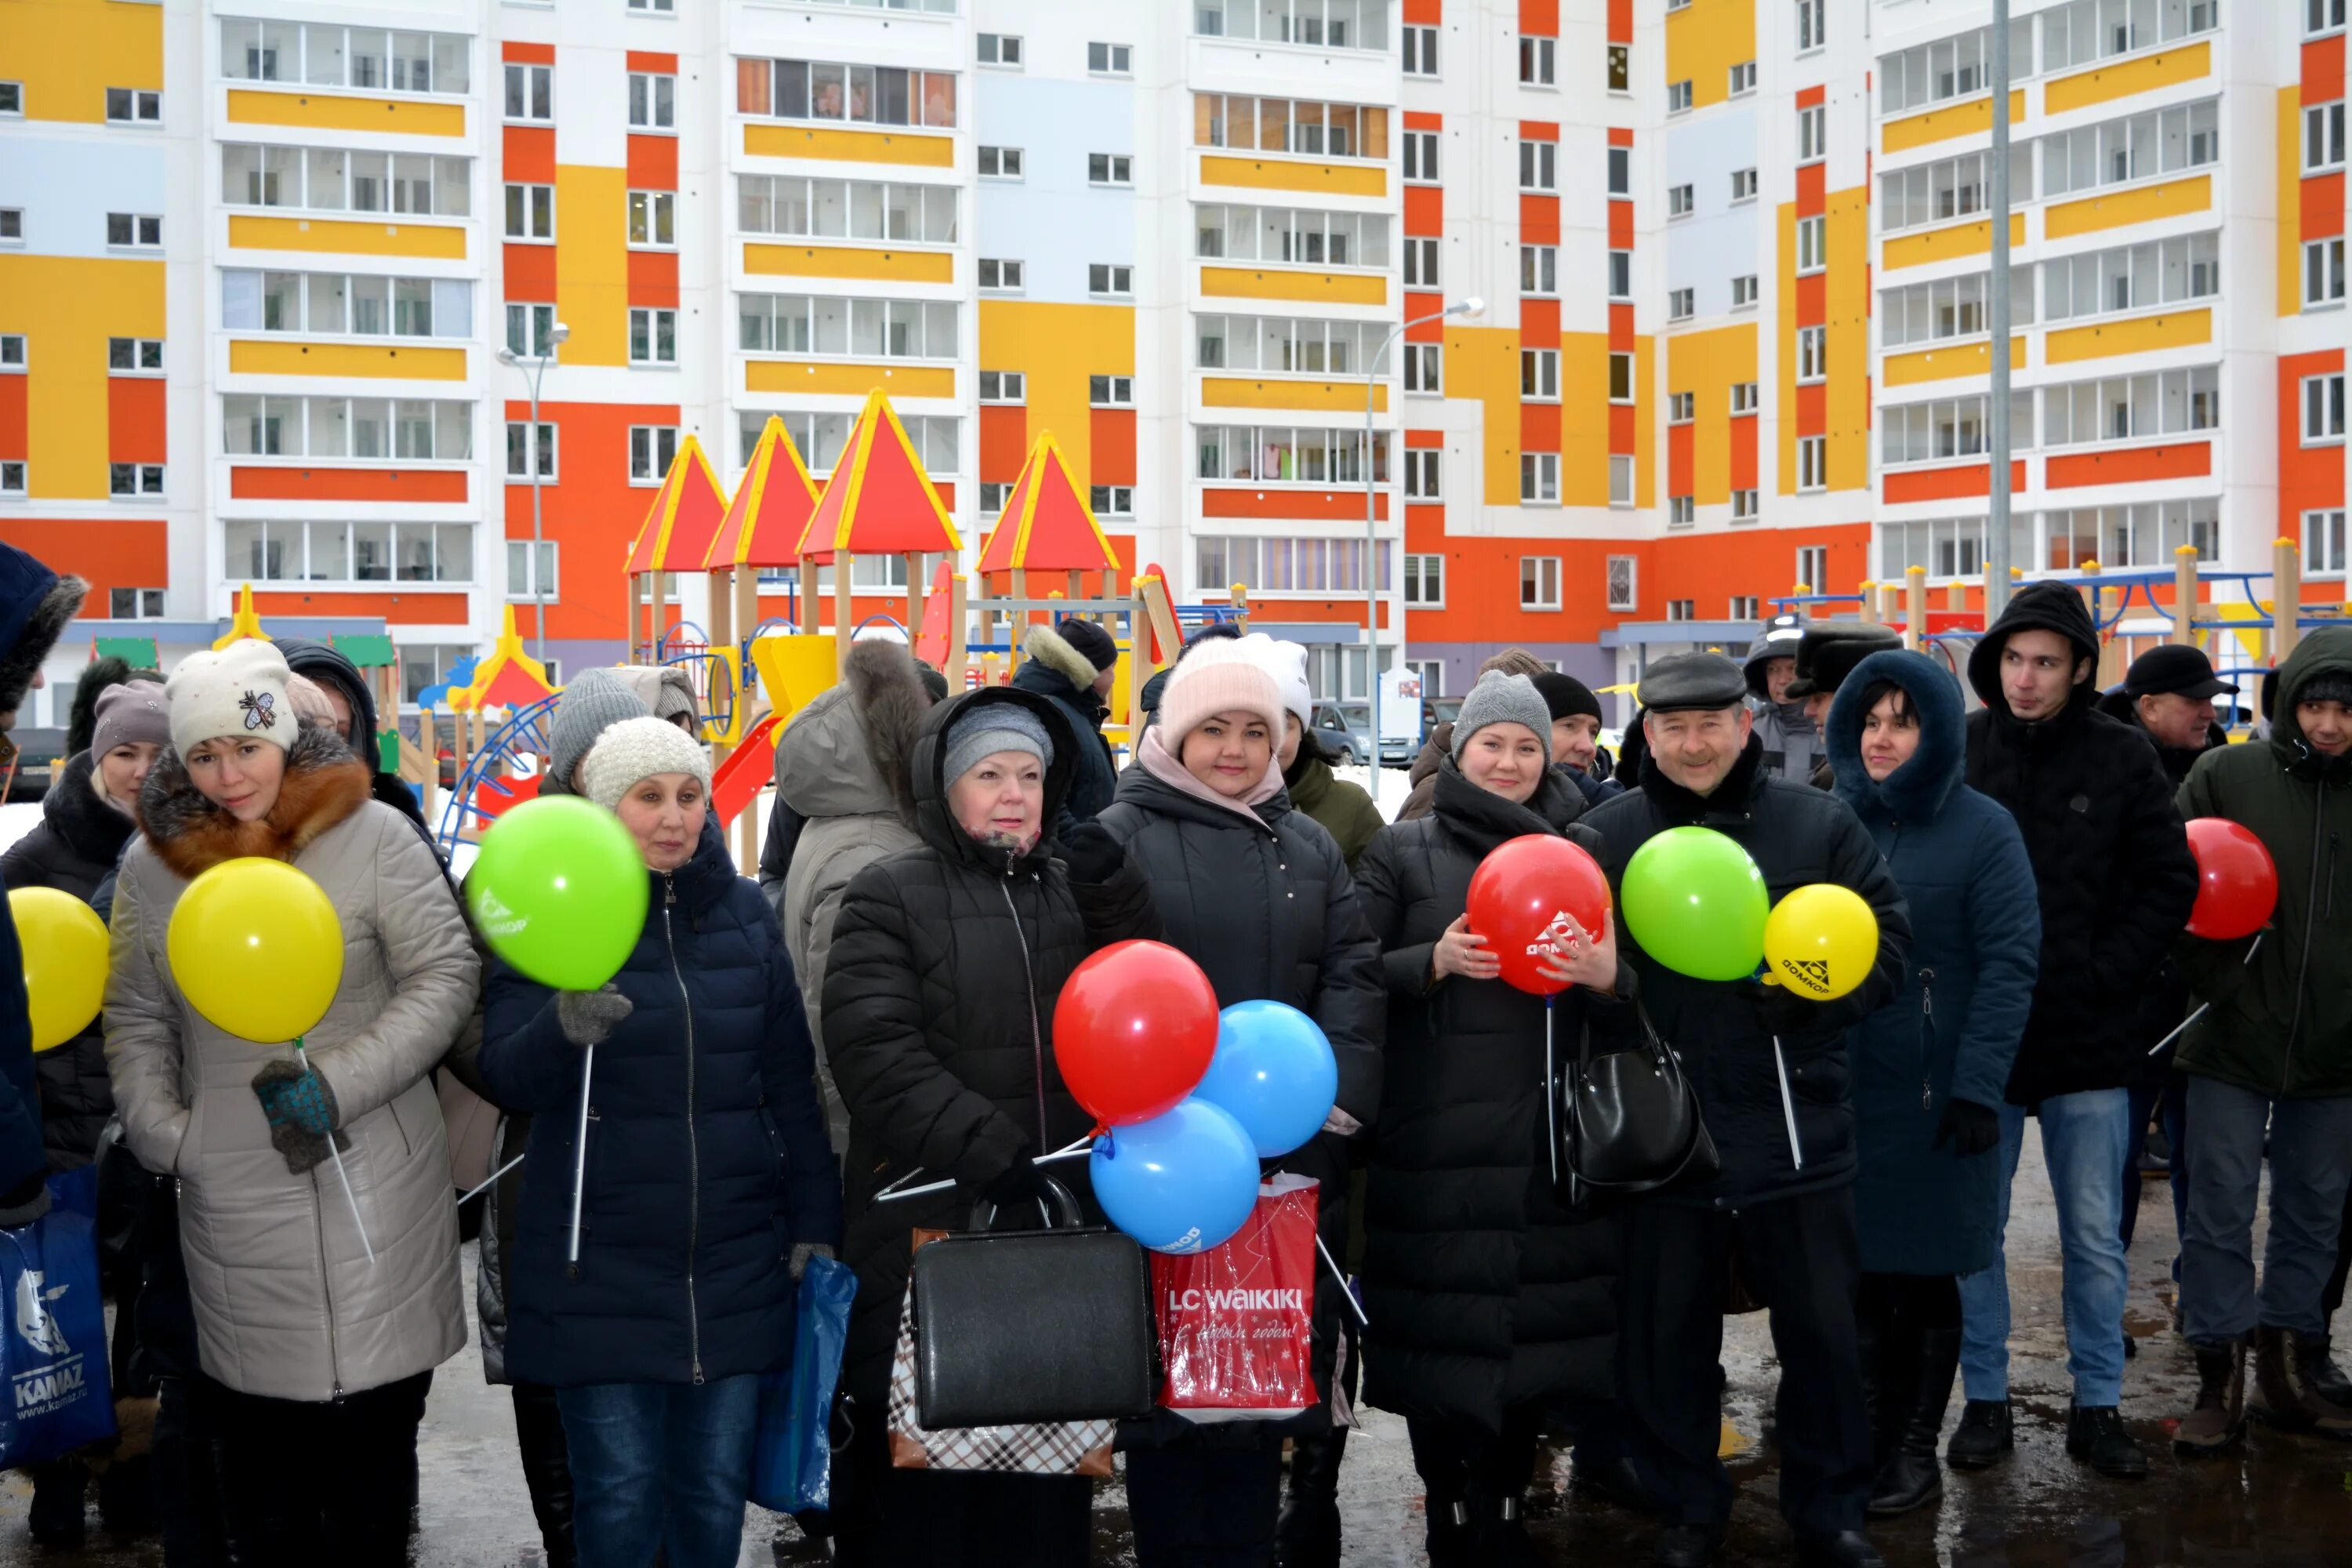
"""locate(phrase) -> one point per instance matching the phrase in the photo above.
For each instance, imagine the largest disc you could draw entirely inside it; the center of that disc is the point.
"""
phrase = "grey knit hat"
(990, 728)
(1500, 699)
(595, 701)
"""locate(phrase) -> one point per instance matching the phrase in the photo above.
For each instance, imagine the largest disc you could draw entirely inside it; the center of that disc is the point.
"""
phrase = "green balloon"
(559, 891)
(1696, 903)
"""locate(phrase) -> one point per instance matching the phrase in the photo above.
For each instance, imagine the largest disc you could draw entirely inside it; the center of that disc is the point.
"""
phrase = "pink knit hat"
(1222, 675)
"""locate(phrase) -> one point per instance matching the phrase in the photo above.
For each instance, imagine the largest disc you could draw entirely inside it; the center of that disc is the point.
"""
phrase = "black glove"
(1969, 1127)
(1781, 1010)
(1022, 1183)
(27, 1203)
(1090, 852)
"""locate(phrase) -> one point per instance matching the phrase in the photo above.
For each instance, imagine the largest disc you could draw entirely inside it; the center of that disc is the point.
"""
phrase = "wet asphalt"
(2281, 1501)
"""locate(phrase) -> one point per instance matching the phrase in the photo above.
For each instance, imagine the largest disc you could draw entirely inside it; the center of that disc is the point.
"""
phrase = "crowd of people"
(776, 1056)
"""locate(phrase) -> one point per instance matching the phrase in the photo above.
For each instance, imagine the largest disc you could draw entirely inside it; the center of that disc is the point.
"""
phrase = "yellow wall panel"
(1704, 41)
(1483, 363)
(1971, 118)
(322, 112)
(1329, 396)
(841, 380)
(2290, 200)
(294, 357)
(849, 146)
(1645, 420)
(68, 307)
(1327, 179)
(1319, 288)
(441, 241)
(1784, 390)
(2143, 74)
(591, 262)
(1944, 365)
(68, 52)
(1944, 244)
(849, 261)
(2146, 204)
(1847, 308)
(1584, 408)
(1057, 347)
(1706, 366)
(2142, 335)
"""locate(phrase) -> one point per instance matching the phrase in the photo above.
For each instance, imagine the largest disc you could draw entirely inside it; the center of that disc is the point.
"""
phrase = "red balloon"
(1518, 896)
(1134, 1031)
(2237, 885)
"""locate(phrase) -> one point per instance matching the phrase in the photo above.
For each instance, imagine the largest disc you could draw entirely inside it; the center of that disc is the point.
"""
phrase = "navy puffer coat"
(707, 1154)
(1952, 1030)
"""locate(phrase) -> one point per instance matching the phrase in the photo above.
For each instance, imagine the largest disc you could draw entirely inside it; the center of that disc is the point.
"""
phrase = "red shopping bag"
(1236, 1322)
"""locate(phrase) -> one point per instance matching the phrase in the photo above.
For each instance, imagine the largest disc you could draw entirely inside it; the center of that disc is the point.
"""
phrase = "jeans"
(2083, 1139)
(660, 1467)
(2311, 1159)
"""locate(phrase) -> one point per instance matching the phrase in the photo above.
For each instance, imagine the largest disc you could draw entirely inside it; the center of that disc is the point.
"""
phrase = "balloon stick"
(344, 1176)
(2252, 948)
(491, 1180)
(1551, 1099)
(894, 1192)
(579, 1149)
(1348, 1296)
(1787, 1105)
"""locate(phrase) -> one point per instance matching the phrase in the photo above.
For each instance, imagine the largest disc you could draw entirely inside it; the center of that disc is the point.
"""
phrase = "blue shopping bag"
(53, 1346)
(792, 1462)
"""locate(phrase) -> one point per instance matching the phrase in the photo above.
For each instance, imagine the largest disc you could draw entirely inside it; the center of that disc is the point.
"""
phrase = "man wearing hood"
(1792, 739)
(355, 716)
(2269, 1063)
(2115, 880)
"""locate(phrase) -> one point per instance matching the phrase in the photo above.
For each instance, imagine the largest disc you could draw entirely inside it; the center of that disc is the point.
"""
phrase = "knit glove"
(804, 1251)
(1022, 1183)
(589, 1017)
(1969, 1127)
(26, 1203)
(302, 1112)
(1092, 855)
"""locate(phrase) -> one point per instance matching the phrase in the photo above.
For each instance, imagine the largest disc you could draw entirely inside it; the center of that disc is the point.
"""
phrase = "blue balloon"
(1184, 1182)
(1274, 1072)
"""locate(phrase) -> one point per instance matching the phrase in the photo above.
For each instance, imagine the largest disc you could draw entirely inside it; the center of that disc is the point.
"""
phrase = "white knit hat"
(240, 691)
(1286, 662)
(637, 749)
(1222, 675)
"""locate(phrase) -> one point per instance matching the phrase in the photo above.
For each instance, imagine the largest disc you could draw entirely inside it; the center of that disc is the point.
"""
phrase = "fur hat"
(1222, 677)
(1500, 699)
(128, 714)
(595, 701)
(637, 749)
(989, 728)
(240, 691)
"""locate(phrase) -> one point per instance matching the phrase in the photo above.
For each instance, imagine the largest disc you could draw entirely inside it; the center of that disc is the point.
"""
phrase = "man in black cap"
(1791, 740)
(2169, 692)
(1827, 653)
(1770, 1071)
(1072, 664)
(2112, 869)
(1576, 733)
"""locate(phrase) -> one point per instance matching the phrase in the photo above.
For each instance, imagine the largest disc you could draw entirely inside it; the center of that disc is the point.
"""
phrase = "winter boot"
(2096, 1433)
(1307, 1535)
(2220, 1419)
(1842, 1549)
(60, 1504)
(2323, 1374)
(1502, 1541)
(2285, 1396)
(546, 1470)
(1981, 1437)
(1910, 1476)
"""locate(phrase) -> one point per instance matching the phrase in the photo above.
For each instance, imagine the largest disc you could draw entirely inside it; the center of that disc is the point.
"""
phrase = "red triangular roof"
(1047, 525)
(686, 510)
(879, 500)
(772, 506)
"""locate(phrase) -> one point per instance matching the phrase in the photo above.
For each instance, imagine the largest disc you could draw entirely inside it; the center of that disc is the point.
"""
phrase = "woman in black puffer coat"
(1490, 1299)
(1258, 896)
(946, 963)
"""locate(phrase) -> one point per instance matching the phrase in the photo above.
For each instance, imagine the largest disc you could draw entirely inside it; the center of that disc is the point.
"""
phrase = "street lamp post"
(537, 367)
(1467, 309)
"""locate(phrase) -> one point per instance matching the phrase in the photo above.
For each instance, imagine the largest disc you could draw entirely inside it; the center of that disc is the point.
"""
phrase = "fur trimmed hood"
(1917, 791)
(36, 604)
(1053, 650)
(324, 784)
(846, 754)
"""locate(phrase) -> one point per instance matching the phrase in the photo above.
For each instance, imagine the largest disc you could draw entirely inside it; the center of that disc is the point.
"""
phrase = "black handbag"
(1630, 1121)
(1015, 1327)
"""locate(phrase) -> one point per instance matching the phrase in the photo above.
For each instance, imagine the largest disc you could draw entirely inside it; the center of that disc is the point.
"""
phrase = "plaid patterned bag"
(1045, 1449)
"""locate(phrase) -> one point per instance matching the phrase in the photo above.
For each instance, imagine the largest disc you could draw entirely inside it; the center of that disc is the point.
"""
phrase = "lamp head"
(506, 356)
(557, 333)
(1468, 309)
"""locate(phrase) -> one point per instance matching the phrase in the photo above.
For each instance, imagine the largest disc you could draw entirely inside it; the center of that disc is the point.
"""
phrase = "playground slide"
(745, 773)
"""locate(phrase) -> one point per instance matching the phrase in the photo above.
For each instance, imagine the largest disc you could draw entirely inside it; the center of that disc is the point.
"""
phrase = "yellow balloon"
(255, 949)
(65, 962)
(1820, 941)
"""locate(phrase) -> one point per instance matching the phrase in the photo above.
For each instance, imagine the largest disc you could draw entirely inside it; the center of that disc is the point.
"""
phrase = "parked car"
(38, 755)
(1346, 728)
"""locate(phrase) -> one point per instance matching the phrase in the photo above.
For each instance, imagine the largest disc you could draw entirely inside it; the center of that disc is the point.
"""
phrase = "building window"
(1621, 478)
(529, 328)
(520, 448)
(1420, 263)
(2322, 16)
(1538, 270)
(1003, 387)
(1110, 391)
(375, 429)
(1743, 79)
(2130, 407)
(1539, 581)
(1813, 134)
(1745, 397)
(1537, 58)
(1960, 427)
(1000, 163)
(1424, 368)
(1623, 581)
(1682, 609)
(1682, 512)
(1813, 462)
(1744, 507)
(12, 100)
(1619, 60)
(653, 219)
(1424, 581)
(12, 225)
(1539, 479)
(854, 209)
(522, 582)
(134, 482)
(1111, 59)
(1681, 200)
(1744, 292)
(1420, 51)
(2323, 409)
(1538, 166)
(1422, 470)
(1682, 407)
(139, 106)
(1621, 173)
(836, 92)
(2323, 543)
(1110, 169)
(1110, 282)
(1681, 304)
(335, 304)
(1621, 377)
(1812, 243)
(2158, 142)
(1004, 277)
(1283, 455)
(331, 180)
(653, 337)
(132, 356)
(1743, 607)
(992, 498)
(658, 7)
(147, 603)
(12, 351)
(1743, 185)
(1621, 275)
(1813, 567)
(1109, 500)
(1540, 376)
(324, 55)
(999, 49)
(2322, 272)
(653, 101)
(1420, 156)
(1283, 125)
(1812, 353)
(1813, 18)
(836, 327)
(350, 551)
(12, 476)
(530, 92)
(531, 213)
(651, 450)
(134, 231)
(2323, 138)
(1678, 96)
(1281, 343)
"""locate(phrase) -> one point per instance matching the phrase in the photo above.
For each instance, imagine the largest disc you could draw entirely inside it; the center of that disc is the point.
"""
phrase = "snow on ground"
(17, 818)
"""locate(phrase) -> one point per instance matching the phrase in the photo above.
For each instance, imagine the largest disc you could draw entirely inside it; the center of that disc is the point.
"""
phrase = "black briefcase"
(1019, 1327)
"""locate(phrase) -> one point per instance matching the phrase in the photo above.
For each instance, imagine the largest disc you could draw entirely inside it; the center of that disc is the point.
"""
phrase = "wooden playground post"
(1956, 595)
(424, 728)
(2184, 595)
(2286, 599)
(2111, 648)
(959, 651)
(1802, 591)
(654, 635)
(1869, 604)
(1241, 604)
(842, 618)
(1915, 610)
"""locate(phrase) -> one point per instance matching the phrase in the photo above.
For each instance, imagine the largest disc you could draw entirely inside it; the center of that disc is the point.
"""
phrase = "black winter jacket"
(1053, 669)
(1484, 1290)
(1796, 835)
(947, 960)
(2110, 860)
(76, 844)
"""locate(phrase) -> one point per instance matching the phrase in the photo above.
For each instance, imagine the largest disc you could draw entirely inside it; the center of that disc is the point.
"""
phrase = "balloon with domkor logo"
(1821, 942)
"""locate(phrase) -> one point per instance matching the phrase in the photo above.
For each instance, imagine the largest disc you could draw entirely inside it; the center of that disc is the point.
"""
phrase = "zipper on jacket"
(327, 1286)
(2320, 841)
(1036, 1036)
(1926, 1037)
(693, 1149)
